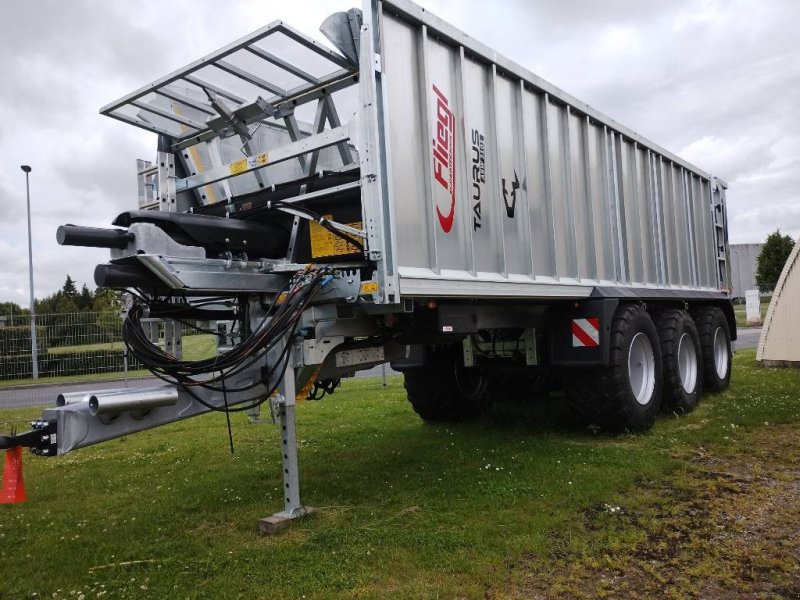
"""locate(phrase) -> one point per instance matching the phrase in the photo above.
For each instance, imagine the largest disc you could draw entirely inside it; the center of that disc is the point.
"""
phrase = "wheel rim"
(721, 352)
(687, 363)
(642, 368)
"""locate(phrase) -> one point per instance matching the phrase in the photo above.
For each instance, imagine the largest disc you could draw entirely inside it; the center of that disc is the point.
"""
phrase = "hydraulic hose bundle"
(275, 328)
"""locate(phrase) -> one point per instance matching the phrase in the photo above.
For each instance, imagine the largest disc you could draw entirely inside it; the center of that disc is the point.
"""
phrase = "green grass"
(406, 509)
(87, 347)
(740, 311)
(195, 347)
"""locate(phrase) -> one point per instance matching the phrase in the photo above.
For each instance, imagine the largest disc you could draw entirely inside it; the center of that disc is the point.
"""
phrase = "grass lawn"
(195, 347)
(87, 347)
(740, 311)
(517, 505)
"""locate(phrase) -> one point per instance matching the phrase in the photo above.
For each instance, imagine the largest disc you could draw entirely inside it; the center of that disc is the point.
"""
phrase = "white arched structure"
(779, 345)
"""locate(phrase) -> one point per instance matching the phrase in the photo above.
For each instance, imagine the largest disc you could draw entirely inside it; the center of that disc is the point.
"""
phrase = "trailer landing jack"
(283, 409)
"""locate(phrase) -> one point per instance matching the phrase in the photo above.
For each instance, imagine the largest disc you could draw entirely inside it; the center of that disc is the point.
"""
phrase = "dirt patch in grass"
(725, 525)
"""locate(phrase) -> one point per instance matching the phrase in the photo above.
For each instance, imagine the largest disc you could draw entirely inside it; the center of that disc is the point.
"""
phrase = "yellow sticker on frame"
(324, 243)
(245, 164)
(240, 166)
(368, 287)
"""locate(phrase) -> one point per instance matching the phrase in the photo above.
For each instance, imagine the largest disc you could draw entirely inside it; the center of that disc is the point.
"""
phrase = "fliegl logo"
(444, 157)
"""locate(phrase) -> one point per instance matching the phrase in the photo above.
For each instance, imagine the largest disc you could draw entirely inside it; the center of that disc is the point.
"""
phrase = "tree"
(69, 289)
(84, 301)
(12, 309)
(64, 305)
(109, 313)
(105, 300)
(771, 259)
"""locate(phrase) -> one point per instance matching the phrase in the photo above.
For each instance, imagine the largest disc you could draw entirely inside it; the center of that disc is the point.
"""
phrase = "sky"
(716, 82)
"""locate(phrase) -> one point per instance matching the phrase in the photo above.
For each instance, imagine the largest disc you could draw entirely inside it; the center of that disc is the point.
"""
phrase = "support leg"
(292, 508)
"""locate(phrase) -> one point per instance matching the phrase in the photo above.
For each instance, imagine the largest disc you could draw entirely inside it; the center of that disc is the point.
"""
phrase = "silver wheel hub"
(642, 368)
(721, 352)
(687, 363)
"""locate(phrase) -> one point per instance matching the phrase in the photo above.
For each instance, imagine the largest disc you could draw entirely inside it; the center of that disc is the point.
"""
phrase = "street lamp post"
(34, 349)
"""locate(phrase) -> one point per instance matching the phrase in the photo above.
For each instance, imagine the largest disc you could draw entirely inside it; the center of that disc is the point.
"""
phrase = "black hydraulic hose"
(277, 326)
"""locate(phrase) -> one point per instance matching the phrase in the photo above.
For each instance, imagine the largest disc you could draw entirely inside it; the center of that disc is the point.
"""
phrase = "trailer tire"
(715, 346)
(437, 394)
(625, 395)
(682, 360)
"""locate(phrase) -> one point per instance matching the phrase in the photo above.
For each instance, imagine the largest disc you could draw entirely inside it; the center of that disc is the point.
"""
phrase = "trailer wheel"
(626, 395)
(715, 346)
(446, 391)
(683, 367)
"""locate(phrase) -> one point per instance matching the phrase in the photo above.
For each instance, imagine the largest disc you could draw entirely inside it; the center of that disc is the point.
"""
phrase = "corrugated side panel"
(503, 188)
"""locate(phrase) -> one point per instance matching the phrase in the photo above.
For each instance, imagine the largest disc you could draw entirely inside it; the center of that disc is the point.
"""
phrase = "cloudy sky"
(717, 82)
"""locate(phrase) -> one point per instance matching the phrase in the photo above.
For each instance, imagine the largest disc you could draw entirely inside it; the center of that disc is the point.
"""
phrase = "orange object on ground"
(13, 490)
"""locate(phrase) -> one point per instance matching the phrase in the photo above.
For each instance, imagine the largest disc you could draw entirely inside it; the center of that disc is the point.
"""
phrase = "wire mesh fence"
(83, 352)
(67, 345)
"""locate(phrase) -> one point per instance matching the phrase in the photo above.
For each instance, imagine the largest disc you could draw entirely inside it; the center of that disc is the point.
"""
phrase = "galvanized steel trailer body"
(569, 199)
(565, 199)
(487, 200)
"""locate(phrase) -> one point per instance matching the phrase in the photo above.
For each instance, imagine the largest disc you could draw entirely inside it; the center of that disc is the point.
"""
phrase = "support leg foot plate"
(280, 521)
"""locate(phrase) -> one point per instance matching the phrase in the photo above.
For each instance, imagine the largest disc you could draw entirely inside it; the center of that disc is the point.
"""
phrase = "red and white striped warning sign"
(586, 332)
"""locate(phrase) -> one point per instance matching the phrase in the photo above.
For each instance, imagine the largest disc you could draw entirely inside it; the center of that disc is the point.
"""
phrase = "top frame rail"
(219, 94)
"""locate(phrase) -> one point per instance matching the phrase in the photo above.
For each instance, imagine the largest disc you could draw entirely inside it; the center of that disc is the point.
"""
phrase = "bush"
(82, 328)
(771, 259)
(17, 340)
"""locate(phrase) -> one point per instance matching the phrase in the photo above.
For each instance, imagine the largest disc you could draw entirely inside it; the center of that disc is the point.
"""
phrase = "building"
(743, 268)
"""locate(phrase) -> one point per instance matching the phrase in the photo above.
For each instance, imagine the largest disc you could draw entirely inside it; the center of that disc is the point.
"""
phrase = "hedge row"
(66, 333)
(54, 331)
(17, 340)
(67, 363)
